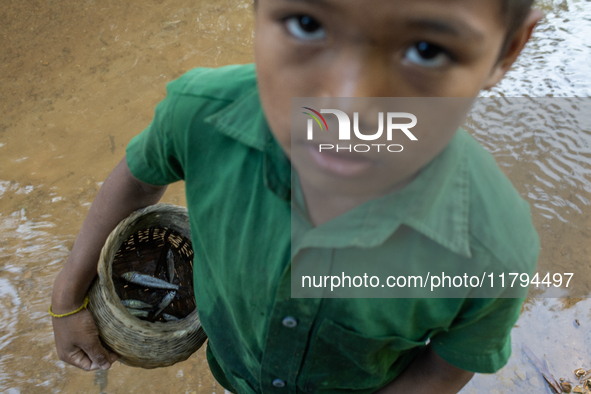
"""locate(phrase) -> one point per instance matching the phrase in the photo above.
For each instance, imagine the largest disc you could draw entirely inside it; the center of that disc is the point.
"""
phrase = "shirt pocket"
(345, 359)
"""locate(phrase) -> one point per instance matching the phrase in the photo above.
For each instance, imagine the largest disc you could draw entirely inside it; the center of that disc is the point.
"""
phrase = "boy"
(227, 135)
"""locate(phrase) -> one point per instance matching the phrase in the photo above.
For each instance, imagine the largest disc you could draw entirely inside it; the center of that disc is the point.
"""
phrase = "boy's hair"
(513, 13)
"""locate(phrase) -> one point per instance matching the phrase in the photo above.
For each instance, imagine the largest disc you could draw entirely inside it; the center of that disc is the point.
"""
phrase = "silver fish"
(165, 302)
(170, 261)
(168, 317)
(137, 312)
(542, 369)
(148, 281)
(136, 304)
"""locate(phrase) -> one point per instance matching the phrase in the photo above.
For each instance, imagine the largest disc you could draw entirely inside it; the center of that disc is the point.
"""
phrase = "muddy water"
(80, 78)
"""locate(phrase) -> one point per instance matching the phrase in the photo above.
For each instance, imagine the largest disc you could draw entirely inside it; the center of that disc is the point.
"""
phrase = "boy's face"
(378, 48)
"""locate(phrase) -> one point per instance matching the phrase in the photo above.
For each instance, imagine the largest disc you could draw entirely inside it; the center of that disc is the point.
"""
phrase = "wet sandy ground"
(80, 78)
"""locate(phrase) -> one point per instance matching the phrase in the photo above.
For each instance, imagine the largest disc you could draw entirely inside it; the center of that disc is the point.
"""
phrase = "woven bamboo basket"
(138, 244)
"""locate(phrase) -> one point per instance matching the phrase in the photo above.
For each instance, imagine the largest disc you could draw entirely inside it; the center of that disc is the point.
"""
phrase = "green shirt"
(210, 131)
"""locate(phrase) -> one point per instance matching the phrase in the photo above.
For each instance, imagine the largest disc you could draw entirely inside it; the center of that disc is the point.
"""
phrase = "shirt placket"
(292, 321)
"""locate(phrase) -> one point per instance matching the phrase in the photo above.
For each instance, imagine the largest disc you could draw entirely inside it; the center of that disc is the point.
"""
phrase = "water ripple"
(544, 143)
(556, 60)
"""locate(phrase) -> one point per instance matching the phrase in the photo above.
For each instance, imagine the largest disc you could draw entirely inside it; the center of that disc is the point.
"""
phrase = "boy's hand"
(76, 336)
(426, 372)
(77, 342)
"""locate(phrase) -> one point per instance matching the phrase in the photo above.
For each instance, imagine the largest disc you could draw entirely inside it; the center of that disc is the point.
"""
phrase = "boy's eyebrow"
(315, 2)
(308, 1)
(455, 28)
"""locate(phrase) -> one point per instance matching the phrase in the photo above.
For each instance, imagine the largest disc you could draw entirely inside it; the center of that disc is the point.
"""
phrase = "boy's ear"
(520, 38)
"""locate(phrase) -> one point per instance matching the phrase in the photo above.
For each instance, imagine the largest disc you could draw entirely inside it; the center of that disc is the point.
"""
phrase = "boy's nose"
(359, 73)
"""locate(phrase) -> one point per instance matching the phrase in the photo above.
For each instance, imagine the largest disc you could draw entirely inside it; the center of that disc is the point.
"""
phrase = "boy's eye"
(427, 55)
(304, 27)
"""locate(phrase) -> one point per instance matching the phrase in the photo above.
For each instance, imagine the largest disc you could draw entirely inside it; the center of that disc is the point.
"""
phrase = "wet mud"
(80, 78)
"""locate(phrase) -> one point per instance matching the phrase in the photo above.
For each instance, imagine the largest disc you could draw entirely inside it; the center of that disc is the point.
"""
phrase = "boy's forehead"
(465, 18)
(382, 5)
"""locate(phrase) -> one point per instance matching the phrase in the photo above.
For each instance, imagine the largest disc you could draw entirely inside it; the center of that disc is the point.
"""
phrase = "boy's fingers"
(112, 357)
(79, 360)
(78, 343)
(94, 357)
(98, 355)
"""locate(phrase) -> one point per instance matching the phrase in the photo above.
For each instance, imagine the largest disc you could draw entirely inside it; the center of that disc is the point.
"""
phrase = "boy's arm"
(76, 336)
(428, 372)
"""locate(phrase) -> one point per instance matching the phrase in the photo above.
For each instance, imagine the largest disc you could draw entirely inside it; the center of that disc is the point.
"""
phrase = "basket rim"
(104, 269)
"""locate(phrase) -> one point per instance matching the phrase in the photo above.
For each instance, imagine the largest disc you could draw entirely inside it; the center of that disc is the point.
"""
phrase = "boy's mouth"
(342, 163)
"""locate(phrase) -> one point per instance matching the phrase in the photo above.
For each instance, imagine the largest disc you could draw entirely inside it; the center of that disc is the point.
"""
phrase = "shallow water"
(80, 78)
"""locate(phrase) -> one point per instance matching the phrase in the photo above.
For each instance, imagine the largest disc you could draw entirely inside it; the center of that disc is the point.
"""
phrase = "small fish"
(137, 312)
(136, 304)
(542, 369)
(586, 376)
(148, 281)
(101, 379)
(168, 317)
(170, 262)
(165, 302)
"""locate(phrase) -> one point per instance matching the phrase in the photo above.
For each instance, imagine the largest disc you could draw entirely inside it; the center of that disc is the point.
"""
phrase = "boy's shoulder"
(499, 219)
(224, 83)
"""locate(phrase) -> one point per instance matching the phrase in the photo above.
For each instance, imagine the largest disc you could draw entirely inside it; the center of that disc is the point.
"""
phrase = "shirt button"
(279, 383)
(289, 322)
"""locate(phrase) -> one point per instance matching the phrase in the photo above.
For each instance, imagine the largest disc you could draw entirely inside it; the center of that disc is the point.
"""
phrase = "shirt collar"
(435, 203)
(244, 121)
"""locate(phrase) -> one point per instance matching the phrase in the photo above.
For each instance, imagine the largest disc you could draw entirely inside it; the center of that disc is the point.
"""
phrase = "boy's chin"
(356, 181)
(347, 165)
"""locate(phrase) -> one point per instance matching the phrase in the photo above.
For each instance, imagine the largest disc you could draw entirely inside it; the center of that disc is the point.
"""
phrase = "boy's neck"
(323, 206)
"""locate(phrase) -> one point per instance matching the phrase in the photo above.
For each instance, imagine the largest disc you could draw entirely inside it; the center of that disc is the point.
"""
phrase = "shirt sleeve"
(154, 155)
(479, 340)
